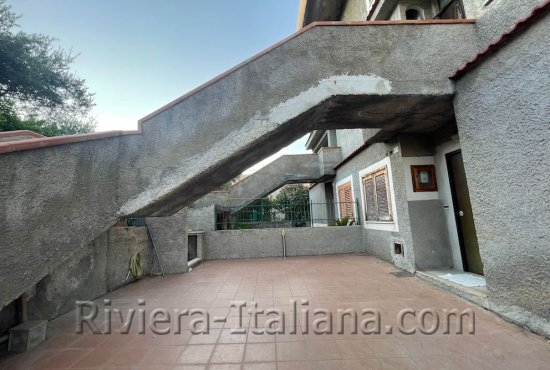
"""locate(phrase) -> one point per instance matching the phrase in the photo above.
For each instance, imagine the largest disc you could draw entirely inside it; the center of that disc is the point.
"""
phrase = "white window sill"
(381, 225)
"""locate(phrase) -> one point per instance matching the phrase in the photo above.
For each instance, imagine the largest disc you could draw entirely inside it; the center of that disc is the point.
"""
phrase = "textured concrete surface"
(105, 265)
(170, 237)
(56, 199)
(349, 140)
(123, 243)
(323, 212)
(329, 282)
(505, 156)
(80, 277)
(497, 17)
(103, 268)
(429, 234)
(201, 218)
(269, 242)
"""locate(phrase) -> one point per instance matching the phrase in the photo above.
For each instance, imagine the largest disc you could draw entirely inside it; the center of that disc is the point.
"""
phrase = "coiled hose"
(136, 265)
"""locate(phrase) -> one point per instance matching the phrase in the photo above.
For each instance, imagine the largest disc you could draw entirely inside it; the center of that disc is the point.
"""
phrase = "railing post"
(310, 213)
(358, 218)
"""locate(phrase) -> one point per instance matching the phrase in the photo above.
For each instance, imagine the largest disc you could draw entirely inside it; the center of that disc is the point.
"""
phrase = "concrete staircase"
(288, 169)
(58, 194)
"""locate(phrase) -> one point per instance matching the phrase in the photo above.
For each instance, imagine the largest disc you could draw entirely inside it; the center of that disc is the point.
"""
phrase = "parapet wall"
(235, 244)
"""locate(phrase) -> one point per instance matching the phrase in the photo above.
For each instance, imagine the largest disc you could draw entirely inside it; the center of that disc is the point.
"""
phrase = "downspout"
(284, 243)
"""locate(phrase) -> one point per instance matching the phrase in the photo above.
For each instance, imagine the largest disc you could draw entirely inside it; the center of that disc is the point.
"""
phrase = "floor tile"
(228, 353)
(260, 352)
(197, 354)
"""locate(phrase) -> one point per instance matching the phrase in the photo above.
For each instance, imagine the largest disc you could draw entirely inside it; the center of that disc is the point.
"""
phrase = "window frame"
(345, 183)
(374, 174)
(388, 226)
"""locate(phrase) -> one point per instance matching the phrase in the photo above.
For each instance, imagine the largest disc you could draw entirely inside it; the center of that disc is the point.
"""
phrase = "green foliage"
(291, 205)
(36, 82)
(293, 202)
(10, 121)
(258, 211)
(344, 221)
(292, 194)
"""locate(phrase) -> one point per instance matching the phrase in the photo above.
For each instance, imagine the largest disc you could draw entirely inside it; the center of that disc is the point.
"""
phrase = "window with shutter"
(377, 196)
(370, 198)
(345, 199)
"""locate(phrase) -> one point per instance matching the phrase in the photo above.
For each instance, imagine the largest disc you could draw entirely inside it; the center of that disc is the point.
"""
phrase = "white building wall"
(349, 140)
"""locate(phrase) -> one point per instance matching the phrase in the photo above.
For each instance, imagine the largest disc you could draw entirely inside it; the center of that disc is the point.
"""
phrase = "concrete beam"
(55, 199)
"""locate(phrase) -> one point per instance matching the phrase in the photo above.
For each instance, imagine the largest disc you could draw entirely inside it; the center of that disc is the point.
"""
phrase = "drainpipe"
(284, 243)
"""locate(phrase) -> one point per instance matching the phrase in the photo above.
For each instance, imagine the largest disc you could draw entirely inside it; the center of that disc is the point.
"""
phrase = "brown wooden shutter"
(370, 199)
(382, 199)
(346, 200)
(377, 196)
(341, 195)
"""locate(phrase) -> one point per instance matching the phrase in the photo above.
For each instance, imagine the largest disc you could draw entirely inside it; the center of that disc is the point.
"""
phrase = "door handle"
(460, 213)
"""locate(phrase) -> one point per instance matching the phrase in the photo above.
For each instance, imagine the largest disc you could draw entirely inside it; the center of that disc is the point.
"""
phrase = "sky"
(138, 55)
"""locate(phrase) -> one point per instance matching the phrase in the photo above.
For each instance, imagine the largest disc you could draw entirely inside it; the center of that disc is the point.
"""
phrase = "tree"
(36, 81)
(293, 202)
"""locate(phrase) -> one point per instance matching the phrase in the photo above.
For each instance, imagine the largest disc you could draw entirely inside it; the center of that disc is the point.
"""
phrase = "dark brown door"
(464, 215)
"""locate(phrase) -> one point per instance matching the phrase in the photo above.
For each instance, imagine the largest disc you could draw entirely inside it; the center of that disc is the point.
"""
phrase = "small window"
(413, 14)
(377, 196)
(345, 199)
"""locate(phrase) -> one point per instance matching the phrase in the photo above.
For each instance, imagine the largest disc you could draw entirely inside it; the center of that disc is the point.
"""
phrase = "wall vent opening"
(398, 249)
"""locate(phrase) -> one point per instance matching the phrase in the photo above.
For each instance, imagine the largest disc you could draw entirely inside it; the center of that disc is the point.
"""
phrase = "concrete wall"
(502, 115)
(419, 218)
(428, 219)
(429, 234)
(379, 239)
(201, 218)
(269, 243)
(349, 140)
(318, 199)
(170, 237)
(105, 265)
(123, 242)
(497, 17)
(322, 208)
(104, 268)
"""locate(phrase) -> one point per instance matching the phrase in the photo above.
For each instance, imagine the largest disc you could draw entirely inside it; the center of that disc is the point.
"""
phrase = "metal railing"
(266, 214)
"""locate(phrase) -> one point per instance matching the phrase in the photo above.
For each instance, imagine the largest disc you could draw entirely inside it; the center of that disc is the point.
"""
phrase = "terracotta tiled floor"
(329, 282)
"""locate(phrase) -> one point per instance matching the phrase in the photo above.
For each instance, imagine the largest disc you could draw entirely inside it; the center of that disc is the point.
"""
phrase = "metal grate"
(264, 213)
